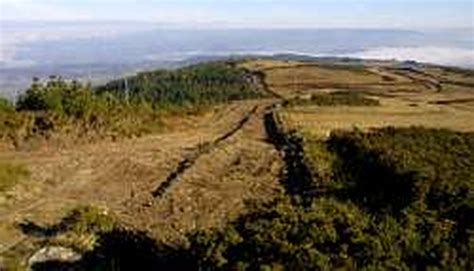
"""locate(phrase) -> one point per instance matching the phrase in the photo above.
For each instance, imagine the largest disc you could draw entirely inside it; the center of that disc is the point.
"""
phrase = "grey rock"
(54, 253)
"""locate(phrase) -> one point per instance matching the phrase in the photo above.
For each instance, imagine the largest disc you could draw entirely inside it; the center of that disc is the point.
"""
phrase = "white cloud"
(436, 55)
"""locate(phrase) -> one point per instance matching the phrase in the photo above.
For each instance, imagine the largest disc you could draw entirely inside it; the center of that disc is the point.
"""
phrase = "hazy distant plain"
(105, 50)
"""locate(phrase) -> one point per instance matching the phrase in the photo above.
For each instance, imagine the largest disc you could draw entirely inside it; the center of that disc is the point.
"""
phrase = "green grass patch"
(6, 105)
(88, 219)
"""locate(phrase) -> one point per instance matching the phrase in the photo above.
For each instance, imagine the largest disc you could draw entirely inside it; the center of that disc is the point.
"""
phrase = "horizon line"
(235, 26)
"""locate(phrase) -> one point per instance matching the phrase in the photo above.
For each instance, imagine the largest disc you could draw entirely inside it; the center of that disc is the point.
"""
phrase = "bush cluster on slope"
(61, 105)
(423, 178)
(58, 106)
(403, 201)
(400, 168)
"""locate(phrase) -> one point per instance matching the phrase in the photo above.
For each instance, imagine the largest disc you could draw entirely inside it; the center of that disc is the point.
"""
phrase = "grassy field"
(296, 78)
(321, 121)
(407, 97)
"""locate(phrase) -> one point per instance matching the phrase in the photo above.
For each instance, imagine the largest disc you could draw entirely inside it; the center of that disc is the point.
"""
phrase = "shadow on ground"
(32, 229)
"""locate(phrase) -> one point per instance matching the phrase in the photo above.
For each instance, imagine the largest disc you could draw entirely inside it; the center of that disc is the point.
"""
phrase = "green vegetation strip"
(396, 199)
(346, 98)
(200, 84)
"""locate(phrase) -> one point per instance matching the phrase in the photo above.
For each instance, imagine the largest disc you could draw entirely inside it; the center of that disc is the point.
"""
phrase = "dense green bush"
(326, 236)
(421, 177)
(414, 167)
(65, 98)
(397, 199)
(57, 105)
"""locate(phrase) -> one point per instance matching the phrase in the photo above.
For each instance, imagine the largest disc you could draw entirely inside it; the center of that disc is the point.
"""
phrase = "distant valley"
(98, 52)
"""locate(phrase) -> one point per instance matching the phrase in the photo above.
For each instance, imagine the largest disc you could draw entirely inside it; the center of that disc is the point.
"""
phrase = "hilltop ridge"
(261, 163)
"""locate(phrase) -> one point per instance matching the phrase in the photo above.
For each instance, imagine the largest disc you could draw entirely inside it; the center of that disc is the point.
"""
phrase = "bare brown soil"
(238, 166)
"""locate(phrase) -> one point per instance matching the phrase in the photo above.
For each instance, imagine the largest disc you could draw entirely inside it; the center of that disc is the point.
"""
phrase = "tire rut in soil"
(205, 148)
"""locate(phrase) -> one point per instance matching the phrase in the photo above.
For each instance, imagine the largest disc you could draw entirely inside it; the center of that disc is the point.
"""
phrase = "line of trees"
(200, 84)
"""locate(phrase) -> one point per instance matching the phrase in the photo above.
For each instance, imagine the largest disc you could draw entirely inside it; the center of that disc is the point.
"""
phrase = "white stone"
(54, 253)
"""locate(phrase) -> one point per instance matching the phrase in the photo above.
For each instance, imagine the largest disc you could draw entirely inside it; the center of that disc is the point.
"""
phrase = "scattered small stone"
(148, 204)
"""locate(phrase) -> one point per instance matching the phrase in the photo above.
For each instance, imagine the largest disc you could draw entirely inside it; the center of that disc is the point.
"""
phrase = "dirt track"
(239, 165)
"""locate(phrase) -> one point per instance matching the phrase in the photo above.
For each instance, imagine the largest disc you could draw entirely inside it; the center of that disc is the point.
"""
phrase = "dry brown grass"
(407, 97)
(264, 64)
(320, 121)
(289, 78)
(120, 176)
(451, 74)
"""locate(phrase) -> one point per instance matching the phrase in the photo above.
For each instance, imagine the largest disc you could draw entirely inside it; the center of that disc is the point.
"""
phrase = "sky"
(406, 14)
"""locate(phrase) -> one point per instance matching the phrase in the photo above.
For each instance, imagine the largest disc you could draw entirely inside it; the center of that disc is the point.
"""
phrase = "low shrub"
(6, 105)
